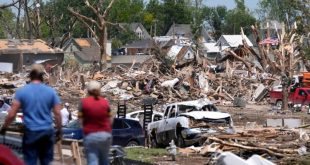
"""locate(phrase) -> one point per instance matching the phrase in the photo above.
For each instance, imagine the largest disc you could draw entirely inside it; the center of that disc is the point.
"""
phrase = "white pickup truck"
(187, 122)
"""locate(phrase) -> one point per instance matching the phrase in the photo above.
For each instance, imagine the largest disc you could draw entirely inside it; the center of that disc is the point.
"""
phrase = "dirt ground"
(182, 160)
(260, 113)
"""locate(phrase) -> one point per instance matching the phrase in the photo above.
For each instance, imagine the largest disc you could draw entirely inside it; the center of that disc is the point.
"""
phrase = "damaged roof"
(184, 30)
(9, 46)
(232, 41)
(89, 49)
(178, 51)
(211, 48)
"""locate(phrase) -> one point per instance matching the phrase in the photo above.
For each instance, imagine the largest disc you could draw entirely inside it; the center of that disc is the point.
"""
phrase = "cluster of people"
(38, 102)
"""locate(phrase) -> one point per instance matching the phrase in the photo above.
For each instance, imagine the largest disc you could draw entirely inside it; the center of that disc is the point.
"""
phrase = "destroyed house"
(211, 51)
(16, 53)
(139, 47)
(85, 50)
(231, 41)
(181, 54)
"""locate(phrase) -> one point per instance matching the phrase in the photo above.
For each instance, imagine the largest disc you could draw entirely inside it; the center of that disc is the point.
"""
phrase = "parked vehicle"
(125, 132)
(296, 96)
(186, 122)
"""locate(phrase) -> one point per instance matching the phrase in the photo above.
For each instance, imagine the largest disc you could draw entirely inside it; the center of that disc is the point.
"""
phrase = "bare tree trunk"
(38, 19)
(28, 23)
(18, 20)
(285, 78)
(102, 43)
(285, 93)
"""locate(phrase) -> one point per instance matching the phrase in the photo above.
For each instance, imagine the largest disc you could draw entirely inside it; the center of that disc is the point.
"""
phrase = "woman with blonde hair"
(94, 112)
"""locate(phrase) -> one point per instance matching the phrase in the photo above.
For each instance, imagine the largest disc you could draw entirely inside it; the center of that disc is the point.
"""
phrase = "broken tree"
(286, 56)
(2, 6)
(100, 22)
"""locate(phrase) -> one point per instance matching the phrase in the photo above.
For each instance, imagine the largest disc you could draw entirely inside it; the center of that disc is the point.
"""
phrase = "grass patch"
(144, 154)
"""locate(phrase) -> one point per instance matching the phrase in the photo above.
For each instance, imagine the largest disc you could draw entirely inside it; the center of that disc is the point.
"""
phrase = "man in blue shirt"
(37, 101)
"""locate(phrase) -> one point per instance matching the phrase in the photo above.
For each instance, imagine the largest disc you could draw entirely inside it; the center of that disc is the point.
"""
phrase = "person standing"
(37, 101)
(4, 107)
(65, 115)
(94, 112)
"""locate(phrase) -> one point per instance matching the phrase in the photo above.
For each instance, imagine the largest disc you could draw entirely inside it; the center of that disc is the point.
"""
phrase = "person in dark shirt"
(37, 101)
(94, 112)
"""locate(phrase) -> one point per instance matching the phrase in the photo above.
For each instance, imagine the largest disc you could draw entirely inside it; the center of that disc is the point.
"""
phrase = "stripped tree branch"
(105, 14)
(85, 19)
(101, 24)
(241, 59)
(93, 9)
(77, 15)
(9, 5)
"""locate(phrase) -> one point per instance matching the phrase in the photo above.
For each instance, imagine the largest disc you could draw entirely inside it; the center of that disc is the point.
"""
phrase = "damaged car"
(189, 123)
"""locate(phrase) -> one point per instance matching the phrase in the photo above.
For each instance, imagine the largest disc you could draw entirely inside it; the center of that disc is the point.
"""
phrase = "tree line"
(157, 17)
(52, 19)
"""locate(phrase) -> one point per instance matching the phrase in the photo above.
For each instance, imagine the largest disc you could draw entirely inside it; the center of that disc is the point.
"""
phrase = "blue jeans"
(97, 147)
(38, 145)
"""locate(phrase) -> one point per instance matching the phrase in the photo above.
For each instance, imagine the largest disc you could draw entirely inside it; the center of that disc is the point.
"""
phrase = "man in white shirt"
(4, 107)
(65, 115)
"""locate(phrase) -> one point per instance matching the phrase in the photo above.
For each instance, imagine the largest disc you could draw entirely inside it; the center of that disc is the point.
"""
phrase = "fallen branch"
(242, 60)
(273, 151)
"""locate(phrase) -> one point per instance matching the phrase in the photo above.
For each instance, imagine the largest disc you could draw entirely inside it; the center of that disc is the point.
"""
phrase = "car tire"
(180, 141)
(279, 103)
(132, 143)
(154, 143)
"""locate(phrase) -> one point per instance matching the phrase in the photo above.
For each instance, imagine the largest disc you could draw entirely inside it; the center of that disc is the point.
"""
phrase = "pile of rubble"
(149, 83)
(187, 83)
(272, 143)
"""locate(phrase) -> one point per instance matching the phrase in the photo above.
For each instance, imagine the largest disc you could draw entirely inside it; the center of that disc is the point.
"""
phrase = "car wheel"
(180, 141)
(154, 143)
(132, 144)
(279, 103)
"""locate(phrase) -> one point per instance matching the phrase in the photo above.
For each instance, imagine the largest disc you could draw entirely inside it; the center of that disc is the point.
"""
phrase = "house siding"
(11, 58)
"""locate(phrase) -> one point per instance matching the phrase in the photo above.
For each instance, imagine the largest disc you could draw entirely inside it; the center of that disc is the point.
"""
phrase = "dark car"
(125, 132)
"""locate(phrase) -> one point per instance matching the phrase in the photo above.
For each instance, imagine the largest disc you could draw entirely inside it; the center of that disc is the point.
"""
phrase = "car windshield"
(187, 108)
